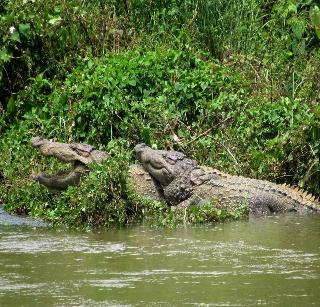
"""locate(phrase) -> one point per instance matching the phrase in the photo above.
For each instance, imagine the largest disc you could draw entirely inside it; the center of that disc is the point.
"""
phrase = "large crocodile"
(81, 155)
(185, 183)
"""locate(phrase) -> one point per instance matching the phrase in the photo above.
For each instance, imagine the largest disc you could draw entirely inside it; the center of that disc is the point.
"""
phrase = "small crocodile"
(185, 184)
(81, 155)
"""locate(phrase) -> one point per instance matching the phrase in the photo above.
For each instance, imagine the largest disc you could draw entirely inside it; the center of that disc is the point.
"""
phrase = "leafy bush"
(137, 96)
(103, 198)
(51, 37)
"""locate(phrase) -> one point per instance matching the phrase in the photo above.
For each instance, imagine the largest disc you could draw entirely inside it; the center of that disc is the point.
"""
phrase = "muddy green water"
(267, 261)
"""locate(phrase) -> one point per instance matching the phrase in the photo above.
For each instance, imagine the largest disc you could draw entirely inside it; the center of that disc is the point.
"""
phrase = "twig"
(207, 131)
(230, 153)
(308, 173)
(199, 136)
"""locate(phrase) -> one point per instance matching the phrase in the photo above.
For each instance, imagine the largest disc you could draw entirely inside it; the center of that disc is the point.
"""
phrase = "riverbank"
(239, 94)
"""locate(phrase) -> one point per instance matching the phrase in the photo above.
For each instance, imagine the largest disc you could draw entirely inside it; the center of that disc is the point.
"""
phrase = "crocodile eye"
(156, 164)
(171, 161)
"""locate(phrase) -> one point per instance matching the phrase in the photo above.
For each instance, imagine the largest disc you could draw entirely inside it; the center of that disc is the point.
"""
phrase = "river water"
(265, 261)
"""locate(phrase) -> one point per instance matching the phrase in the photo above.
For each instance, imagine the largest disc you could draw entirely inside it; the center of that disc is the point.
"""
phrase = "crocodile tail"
(303, 197)
(296, 194)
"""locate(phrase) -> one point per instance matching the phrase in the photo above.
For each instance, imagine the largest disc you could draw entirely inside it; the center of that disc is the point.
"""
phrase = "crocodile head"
(164, 166)
(80, 155)
(175, 173)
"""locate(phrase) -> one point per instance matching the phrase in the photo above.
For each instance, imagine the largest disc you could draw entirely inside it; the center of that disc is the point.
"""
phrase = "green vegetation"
(233, 84)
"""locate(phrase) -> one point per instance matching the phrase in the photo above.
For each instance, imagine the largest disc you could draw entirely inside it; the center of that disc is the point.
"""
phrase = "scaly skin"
(80, 155)
(185, 183)
(143, 184)
(61, 180)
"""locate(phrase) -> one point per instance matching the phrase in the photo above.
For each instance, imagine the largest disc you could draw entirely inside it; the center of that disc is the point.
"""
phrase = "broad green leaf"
(161, 98)
(11, 106)
(315, 19)
(15, 37)
(298, 28)
(55, 20)
(132, 82)
(24, 29)
(4, 56)
(146, 93)
(292, 7)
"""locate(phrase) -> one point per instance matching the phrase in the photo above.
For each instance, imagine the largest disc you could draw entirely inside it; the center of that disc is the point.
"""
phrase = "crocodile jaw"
(62, 180)
(80, 155)
(154, 162)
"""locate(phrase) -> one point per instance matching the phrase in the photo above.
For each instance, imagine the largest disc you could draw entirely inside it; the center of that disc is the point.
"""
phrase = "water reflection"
(261, 262)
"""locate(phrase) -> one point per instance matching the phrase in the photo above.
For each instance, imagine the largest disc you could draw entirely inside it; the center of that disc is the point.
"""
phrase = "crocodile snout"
(139, 149)
(37, 141)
